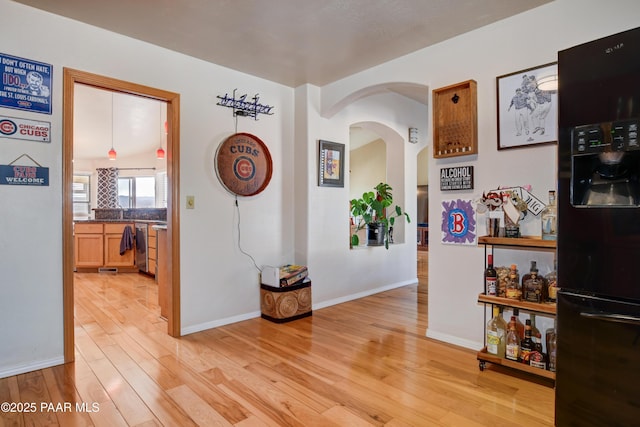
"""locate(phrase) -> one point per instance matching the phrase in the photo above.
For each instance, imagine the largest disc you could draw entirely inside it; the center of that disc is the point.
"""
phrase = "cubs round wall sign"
(243, 164)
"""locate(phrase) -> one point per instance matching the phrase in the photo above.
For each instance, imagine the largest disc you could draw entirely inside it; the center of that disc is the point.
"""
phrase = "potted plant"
(369, 212)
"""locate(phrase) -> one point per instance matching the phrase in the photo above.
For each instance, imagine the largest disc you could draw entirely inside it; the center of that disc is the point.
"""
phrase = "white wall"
(310, 226)
(526, 40)
(218, 282)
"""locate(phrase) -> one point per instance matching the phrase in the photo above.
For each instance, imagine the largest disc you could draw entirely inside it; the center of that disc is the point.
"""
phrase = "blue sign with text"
(24, 175)
(26, 84)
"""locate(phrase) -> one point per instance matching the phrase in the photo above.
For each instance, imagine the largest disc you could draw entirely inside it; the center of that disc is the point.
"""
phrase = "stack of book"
(287, 275)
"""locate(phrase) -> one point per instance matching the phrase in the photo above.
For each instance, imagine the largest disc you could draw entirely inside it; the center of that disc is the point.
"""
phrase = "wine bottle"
(490, 277)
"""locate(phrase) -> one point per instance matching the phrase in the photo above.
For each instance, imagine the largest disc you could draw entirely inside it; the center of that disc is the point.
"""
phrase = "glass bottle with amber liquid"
(513, 284)
(552, 284)
(512, 347)
(533, 285)
(527, 346)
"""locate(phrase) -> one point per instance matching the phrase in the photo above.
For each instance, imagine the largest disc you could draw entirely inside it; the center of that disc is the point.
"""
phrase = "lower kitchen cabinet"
(97, 245)
(112, 240)
(89, 245)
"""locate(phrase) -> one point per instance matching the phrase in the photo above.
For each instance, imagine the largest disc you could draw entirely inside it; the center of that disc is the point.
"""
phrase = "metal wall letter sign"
(456, 178)
(244, 108)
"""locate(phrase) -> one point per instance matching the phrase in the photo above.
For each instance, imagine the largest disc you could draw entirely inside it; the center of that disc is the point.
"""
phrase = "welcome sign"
(24, 175)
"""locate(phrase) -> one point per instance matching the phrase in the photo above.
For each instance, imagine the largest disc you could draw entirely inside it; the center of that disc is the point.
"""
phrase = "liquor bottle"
(519, 324)
(490, 277)
(527, 345)
(537, 358)
(552, 339)
(552, 284)
(512, 348)
(533, 285)
(513, 284)
(549, 218)
(496, 333)
(536, 336)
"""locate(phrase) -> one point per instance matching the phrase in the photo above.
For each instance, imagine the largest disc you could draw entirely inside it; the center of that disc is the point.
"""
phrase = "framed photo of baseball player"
(528, 107)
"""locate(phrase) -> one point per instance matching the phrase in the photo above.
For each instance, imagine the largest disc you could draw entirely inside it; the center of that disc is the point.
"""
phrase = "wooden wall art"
(455, 120)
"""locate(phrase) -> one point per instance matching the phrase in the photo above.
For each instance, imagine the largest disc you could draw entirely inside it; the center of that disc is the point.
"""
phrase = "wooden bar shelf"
(525, 242)
(545, 307)
(484, 357)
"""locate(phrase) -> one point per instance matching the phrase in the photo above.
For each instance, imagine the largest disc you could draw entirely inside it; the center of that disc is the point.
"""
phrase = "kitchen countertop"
(127, 221)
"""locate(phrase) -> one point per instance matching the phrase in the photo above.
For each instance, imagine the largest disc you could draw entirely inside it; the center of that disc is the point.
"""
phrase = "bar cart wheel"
(481, 364)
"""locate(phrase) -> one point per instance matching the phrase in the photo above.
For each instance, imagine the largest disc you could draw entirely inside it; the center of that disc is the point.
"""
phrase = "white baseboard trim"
(451, 339)
(220, 322)
(33, 366)
(363, 294)
(229, 320)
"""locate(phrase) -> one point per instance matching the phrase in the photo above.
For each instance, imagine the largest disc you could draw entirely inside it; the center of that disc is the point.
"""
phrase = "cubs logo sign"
(458, 222)
(243, 164)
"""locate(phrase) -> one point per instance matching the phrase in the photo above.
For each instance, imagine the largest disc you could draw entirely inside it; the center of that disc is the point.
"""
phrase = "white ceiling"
(291, 42)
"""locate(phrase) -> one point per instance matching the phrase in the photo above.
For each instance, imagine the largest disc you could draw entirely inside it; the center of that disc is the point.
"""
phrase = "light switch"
(191, 202)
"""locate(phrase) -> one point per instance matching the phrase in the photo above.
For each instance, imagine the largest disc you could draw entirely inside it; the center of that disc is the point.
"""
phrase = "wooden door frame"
(70, 78)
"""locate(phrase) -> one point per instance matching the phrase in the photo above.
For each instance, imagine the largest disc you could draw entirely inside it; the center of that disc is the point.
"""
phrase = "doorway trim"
(70, 78)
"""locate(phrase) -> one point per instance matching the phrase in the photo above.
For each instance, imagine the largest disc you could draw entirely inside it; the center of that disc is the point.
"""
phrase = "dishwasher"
(142, 253)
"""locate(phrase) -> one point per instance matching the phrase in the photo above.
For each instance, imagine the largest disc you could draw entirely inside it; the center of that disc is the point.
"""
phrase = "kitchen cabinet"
(112, 239)
(544, 309)
(97, 245)
(88, 245)
(152, 250)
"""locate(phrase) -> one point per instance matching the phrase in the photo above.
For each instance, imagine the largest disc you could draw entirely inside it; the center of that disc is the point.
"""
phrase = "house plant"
(369, 212)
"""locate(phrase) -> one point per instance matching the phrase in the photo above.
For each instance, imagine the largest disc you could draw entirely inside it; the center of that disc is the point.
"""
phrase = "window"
(137, 192)
(81, 195)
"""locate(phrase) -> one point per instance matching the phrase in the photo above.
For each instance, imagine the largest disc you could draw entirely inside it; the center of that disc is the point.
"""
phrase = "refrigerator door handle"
(613, 317)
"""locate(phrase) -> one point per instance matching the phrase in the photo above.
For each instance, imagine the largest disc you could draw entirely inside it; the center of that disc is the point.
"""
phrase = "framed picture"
(330, 164)
(528, 107)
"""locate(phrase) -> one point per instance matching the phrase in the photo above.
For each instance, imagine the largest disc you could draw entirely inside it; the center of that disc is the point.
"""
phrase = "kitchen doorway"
(70, 79)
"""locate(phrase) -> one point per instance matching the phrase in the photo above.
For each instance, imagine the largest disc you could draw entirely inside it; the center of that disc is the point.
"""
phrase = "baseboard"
(34, 366)
(451, 339)
(363, 294)
(229, 320)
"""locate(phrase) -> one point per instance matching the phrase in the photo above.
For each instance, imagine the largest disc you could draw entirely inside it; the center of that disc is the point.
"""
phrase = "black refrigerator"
(598, 311)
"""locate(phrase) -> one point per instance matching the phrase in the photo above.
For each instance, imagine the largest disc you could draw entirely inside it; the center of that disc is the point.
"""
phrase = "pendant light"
(160, 151)
(112, 152)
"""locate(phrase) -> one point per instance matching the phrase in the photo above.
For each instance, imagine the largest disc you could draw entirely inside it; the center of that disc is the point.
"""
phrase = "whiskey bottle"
(496, 333)
(549, 218)
(551, 347)
(527, 345)
(512, 348)
(552, 284)
(513, 284)
(533, 285)
(490, 277)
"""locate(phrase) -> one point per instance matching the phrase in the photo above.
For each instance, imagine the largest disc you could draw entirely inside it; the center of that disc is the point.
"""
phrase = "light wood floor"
(361, 363)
